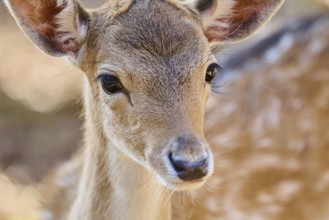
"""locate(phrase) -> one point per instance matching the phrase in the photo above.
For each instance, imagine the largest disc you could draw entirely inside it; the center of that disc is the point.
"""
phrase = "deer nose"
(189, 171)
(189, 157)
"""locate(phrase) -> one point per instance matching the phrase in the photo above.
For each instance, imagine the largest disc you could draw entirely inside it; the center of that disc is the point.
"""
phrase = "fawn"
(148, 66)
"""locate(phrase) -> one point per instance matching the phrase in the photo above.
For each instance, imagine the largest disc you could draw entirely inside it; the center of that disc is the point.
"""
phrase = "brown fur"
(269, 132)
(39, 15)
(160, 53)
(278, 172)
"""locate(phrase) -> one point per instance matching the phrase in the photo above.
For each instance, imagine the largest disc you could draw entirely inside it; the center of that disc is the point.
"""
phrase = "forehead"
(150, 37)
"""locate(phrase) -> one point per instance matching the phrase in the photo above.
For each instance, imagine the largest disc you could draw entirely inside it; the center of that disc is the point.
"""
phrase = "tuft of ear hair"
(58, 27)
(232, 20)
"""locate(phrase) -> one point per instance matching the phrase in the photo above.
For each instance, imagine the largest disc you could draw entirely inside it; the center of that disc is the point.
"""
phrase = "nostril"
(181, 165)
(189, 170)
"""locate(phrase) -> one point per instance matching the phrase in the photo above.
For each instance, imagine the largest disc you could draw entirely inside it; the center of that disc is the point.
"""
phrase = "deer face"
(153, 72)
(149, 67)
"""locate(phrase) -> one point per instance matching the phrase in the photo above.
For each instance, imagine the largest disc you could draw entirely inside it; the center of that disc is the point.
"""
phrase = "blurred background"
(40, 125)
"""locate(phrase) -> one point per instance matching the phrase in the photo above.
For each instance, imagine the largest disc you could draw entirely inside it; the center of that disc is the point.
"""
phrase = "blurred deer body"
(148, 67)
(268, 132)
(270, 126)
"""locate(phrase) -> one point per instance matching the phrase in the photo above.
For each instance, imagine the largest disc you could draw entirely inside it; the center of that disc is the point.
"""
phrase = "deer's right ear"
(58, 27)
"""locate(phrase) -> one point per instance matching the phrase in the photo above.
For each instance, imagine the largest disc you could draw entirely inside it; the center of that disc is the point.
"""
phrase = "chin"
(177, 184)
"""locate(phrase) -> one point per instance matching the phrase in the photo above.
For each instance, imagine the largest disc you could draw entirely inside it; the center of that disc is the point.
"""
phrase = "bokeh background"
(39, 106)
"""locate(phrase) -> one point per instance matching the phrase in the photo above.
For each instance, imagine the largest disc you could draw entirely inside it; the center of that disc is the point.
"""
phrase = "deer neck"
(112, 185)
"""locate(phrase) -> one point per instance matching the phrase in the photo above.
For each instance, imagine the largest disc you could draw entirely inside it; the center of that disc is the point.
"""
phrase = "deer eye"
(211, 72)
(110, 83)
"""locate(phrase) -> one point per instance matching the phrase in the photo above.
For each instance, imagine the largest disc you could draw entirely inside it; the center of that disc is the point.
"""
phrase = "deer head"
(149, 67)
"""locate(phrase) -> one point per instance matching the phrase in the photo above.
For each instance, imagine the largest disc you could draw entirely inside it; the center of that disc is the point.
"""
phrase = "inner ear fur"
(232, 20)
(58, 27)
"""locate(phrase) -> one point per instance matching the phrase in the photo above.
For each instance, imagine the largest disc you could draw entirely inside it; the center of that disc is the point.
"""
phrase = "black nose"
(187, 170)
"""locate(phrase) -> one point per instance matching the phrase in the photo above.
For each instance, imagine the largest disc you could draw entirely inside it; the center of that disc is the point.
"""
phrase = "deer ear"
(58, 27)
(232, 20)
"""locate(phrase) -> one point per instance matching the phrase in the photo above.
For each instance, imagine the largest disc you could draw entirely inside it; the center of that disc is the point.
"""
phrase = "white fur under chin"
(187, 186)
(180, 185)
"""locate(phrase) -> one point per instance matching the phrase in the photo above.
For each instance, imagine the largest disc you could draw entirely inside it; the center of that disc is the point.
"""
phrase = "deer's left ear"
(232, 20)
(58, 27)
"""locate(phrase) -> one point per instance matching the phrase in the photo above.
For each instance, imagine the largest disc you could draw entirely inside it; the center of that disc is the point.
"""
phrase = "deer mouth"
(189, 180)
(185, 163)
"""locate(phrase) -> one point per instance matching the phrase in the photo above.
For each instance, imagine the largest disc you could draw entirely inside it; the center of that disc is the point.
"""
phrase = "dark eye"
(110, 83)
(211, 72)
